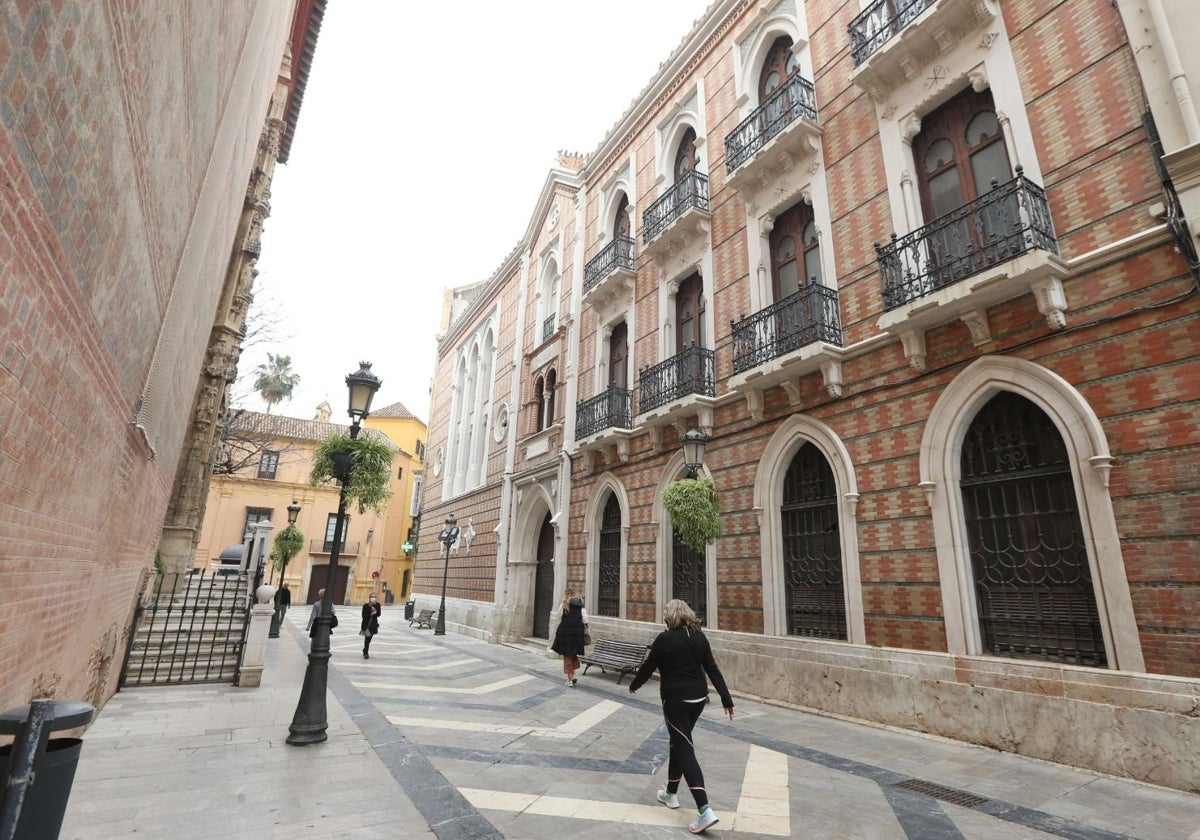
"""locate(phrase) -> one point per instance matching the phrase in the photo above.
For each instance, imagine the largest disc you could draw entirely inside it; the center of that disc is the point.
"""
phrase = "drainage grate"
(954, 797)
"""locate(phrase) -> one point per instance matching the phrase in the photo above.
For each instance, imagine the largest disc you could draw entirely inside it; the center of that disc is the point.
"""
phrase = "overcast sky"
(422, 144)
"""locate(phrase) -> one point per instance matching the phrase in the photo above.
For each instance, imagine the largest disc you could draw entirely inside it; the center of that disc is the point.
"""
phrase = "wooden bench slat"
(423, 619)
(622, 657)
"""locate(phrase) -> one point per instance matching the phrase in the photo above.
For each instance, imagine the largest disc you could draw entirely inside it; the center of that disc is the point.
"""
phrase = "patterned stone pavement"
(449, 737)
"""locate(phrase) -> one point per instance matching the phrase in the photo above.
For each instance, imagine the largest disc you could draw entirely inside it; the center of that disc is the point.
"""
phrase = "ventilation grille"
(954, 797)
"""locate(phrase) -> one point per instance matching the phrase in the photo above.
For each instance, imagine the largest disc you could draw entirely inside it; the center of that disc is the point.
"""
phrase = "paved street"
(452, 738)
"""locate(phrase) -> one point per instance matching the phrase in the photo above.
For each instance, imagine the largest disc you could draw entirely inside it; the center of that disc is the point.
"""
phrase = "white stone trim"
(768, 497)
(1087, 446)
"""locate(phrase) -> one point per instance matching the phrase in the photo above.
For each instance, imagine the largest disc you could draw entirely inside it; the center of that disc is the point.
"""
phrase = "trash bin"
(45, 803)
(410, 608)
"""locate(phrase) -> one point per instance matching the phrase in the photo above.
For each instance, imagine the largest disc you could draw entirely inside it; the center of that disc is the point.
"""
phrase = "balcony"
(892, 41)
(992, 249)
(673, 390)
(780, 135)
(604, 424)
(349, 549)
(610, 273)
(679, 217)
(797, 336)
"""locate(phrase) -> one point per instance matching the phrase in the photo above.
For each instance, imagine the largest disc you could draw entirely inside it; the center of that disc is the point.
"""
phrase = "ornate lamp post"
(693, 452)
(311, 718)
(276, 617)
(447, 537)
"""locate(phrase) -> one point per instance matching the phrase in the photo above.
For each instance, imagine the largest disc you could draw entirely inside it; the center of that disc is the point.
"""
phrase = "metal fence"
(187, 628)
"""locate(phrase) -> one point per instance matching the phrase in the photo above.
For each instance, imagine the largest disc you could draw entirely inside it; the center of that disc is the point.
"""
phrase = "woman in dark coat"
(370, 623)
(568, 638)
(682, 657)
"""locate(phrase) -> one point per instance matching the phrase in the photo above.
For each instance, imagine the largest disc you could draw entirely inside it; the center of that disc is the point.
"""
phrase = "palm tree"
(275, 380)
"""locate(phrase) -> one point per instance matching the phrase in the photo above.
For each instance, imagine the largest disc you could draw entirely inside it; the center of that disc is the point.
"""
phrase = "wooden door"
(543, 584)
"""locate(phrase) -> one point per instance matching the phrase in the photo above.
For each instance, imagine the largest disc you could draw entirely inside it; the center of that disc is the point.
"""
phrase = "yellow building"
(408, 469)
(264, 467)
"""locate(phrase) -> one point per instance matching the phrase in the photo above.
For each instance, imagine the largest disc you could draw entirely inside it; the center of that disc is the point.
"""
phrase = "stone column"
(254, 650)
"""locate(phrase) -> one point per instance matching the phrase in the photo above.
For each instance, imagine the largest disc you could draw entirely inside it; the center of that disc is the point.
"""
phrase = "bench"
(622, 657)
(423, 619)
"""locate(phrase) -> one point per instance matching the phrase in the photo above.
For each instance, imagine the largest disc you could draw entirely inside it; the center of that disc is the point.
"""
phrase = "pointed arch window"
(1031, 575)
(689, 576)
(795, 251)
(812, 556)
(551, 383)
(608, 601)
(685, 157)
(539, 404)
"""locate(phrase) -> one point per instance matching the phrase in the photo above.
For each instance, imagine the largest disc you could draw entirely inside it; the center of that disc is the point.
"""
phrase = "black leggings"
(681, 718)
(367, 642)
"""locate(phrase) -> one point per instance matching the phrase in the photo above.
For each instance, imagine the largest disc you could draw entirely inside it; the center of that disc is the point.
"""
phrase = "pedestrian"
(283, 600)
(682, 656)
(370, 623)
(569, 637)
(316, 611)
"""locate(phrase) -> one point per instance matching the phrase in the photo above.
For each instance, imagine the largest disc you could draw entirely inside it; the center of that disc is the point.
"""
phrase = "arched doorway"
(543, 580)
(815, 596)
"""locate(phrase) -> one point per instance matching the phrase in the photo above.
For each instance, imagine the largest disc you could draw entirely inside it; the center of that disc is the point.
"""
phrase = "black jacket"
(568, 638)
(682, 658)
(370, 617)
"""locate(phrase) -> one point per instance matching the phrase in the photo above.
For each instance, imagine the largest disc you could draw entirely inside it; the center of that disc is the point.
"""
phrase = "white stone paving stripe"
(440, 666)
(764, 807)
(486, 688)
(572, 728)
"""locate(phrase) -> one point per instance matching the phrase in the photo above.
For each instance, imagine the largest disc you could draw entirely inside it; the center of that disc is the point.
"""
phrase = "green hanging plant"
(288, 543)
(694, 509)
(371, 475)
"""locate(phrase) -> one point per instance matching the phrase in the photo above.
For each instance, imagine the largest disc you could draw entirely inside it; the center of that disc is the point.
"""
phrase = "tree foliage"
(239, 445)
(695, 510)
(274, 379)
(288, 543)
(371, 475)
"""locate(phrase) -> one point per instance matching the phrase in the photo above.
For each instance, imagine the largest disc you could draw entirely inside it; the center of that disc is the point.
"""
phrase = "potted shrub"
(369, 466)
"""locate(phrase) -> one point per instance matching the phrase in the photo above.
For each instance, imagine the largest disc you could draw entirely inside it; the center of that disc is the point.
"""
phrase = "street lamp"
(311, 718)
(693, 452)
(277, 617)
(447, 537)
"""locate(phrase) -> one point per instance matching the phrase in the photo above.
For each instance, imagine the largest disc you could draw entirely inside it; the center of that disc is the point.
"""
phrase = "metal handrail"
(879, 22)
(616, 254)
(691, 190)
(811, 314)
(611, 408)
(688, 372)
(996, 227)
(795, 98)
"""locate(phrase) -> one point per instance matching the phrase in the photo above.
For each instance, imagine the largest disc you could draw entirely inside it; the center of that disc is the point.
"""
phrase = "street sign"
(375, 575)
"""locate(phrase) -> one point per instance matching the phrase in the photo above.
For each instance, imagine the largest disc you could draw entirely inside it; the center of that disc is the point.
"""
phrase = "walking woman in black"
(370, 623)
(682, 656)
(568, 638)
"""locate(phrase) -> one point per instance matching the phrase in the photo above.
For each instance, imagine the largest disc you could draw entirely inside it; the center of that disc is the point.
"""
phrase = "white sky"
(424, 138)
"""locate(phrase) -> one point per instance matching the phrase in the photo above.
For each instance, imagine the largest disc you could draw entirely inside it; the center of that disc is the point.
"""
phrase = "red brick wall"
(107, 119)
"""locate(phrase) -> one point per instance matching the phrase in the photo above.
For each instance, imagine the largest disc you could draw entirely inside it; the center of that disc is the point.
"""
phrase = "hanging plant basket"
(370, 475)
(694, 509)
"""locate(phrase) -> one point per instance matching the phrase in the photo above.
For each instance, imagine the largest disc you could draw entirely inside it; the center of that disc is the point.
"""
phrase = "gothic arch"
(1085, 440)
(593, 513)
(768, 497)
(755, 52)
(662, 525)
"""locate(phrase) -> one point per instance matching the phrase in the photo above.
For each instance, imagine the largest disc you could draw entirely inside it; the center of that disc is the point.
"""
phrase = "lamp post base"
(439, 627)
(273, 633)
(312, 717)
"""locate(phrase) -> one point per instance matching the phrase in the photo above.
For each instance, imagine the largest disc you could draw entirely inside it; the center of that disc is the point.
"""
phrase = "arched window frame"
(661, 523)
(940, 471)
(768, 497)
(593, 516)
(539, 404)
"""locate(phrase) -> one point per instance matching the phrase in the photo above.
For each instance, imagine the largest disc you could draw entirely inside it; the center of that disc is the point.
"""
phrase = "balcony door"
(795, 251)
(959, 153)
(685, 156)
(618, 357)
(777, 69)
(689, 307)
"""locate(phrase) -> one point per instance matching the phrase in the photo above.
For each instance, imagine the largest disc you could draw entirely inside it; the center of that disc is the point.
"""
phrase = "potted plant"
(369, 468)
(288, 543)
(695, 510)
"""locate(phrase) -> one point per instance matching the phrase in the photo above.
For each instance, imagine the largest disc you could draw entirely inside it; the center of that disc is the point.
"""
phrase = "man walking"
(283, 600)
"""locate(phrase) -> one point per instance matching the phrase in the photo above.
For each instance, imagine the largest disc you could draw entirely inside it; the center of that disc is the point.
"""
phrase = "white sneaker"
(706, 820)
(569, 683)
(671, 800)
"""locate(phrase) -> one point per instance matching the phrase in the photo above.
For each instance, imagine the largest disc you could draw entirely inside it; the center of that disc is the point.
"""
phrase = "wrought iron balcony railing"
(326, 546)
(687, 372)
(794, 99)
(610, 409)
(996, 227)
(876, 25)
(809, 315)
(547, 327)
(615, 255)
(691, 190)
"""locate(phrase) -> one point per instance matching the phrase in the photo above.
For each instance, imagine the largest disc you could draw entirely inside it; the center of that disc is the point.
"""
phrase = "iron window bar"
(548, 327)
(691, 190)
(615, 255)
(688, 372)
(1002, 224)
(793, 99)
(879, 22)
(809, 315)
(610, 409)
